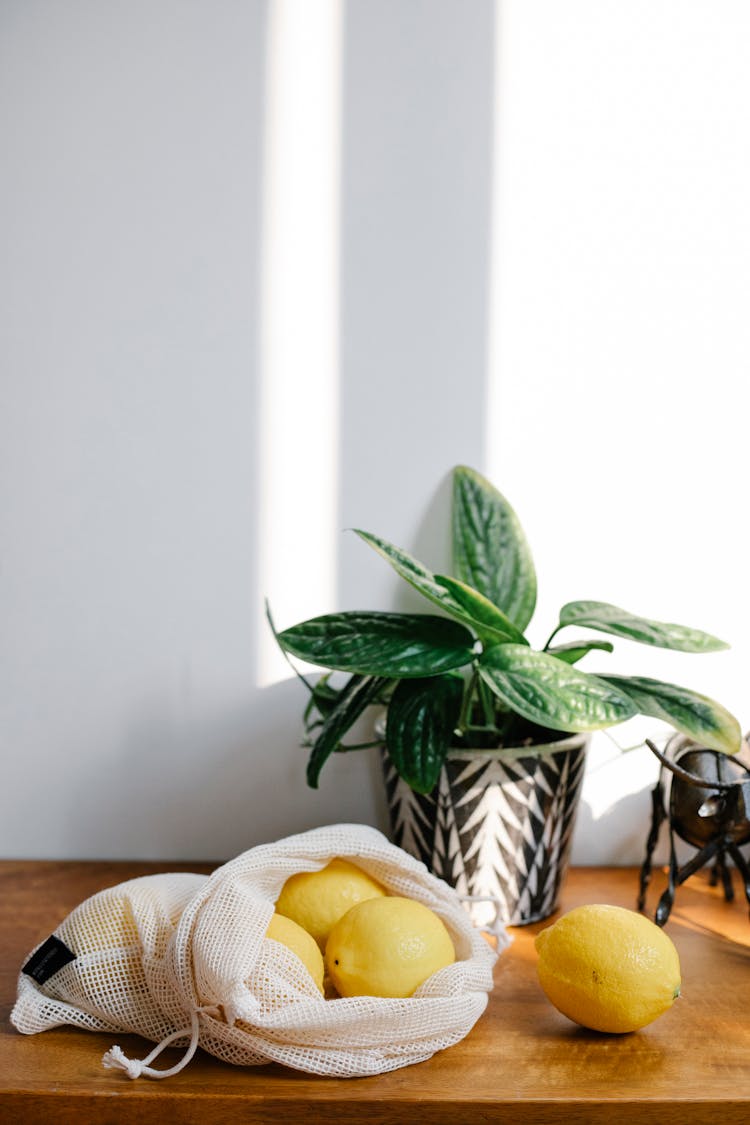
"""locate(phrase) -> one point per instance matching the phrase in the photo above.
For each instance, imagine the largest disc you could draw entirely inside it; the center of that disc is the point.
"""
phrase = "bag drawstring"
(116, 1059)
(495, 928)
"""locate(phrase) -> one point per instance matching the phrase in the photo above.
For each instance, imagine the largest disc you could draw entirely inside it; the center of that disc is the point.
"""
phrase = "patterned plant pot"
(498, 825)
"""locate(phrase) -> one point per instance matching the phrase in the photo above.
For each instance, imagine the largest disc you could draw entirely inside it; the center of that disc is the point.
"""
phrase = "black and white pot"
(497, 826)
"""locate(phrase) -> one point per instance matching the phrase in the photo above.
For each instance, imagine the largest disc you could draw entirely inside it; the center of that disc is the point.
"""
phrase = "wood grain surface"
(523, 1062)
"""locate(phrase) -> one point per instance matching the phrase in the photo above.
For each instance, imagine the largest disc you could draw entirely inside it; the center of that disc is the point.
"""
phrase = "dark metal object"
(709, 808)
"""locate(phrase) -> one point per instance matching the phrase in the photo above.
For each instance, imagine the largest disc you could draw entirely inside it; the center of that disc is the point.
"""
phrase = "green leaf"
(457, 599)
(695, 715)
(490, 551)
(422, 716)
(550, 692)
(610, 619)
(381, 644)
(354, 697)
(323, 699)
(576, 650)
(490, 623)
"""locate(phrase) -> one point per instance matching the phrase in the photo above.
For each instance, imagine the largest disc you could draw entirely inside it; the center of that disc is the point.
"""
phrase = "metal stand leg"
(677, 877)
(742, 867)
(658, 816)
(721, 870)
(666, 901)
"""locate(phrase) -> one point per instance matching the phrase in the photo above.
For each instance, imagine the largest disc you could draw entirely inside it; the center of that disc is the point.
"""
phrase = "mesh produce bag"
(183, 960)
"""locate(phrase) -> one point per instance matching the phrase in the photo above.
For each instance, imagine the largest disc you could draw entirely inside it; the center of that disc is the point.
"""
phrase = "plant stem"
(487, 704)
(553, 634)
(464, 719)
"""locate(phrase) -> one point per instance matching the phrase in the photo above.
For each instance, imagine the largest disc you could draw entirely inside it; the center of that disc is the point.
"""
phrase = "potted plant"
(484, 736)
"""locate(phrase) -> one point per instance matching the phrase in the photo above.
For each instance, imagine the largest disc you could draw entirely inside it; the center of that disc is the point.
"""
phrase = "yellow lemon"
(387, 947)
(317, 899)
(299, 941)
(608, 968)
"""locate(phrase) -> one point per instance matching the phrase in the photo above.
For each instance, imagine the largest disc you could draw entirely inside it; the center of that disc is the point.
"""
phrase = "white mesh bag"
(183, 960)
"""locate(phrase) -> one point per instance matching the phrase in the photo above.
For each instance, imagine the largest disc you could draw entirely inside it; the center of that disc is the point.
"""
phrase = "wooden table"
(523, 1062)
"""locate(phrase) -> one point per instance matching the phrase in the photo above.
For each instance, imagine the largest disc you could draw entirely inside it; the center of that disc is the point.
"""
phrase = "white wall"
(577, 329)
(621, 341)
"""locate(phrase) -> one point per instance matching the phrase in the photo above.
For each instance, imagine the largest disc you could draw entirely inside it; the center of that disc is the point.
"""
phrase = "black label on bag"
(49, 958)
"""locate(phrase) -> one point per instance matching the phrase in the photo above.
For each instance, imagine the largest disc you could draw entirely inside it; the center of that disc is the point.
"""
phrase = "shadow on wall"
(418, 96)
(430, 542)
(211, 789)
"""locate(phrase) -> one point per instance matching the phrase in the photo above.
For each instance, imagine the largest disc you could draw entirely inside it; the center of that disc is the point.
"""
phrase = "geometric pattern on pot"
(498, 825)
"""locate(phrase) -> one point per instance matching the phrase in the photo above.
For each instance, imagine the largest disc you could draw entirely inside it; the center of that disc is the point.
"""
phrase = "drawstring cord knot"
(116, 1059)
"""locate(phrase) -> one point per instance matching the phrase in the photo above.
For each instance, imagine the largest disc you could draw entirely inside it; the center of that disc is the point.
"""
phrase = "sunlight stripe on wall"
(300, 318)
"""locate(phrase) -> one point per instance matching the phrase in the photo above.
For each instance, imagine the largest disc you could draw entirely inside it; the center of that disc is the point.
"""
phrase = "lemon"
(299, 941)
(317, 899)
(387, 947)
(608, 968)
